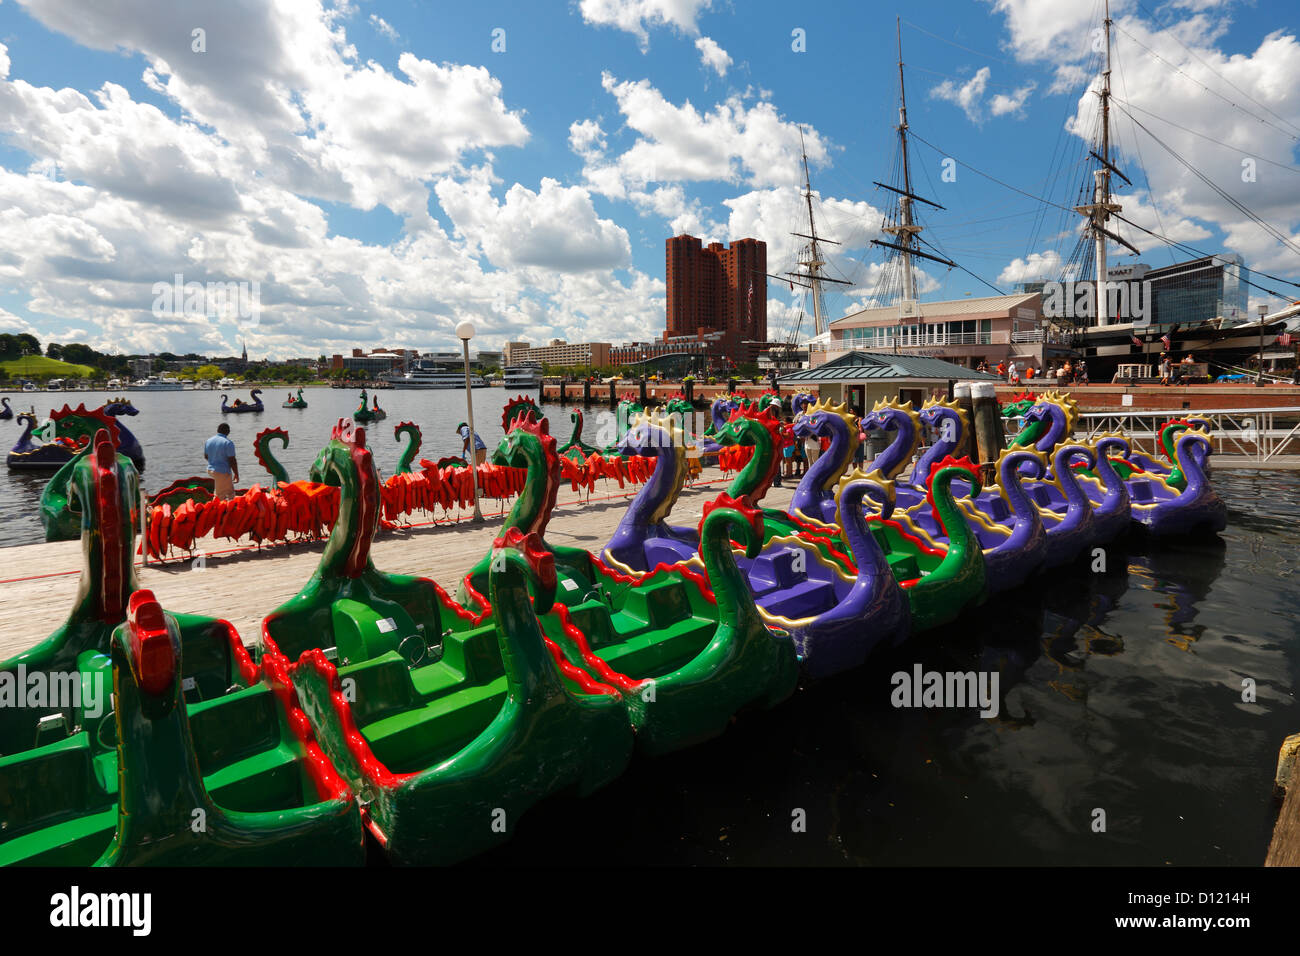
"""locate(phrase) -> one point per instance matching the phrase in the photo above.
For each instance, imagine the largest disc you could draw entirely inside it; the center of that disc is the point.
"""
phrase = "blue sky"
(382, 170)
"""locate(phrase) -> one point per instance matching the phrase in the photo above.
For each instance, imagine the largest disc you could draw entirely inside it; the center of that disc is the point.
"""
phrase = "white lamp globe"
(465, 330)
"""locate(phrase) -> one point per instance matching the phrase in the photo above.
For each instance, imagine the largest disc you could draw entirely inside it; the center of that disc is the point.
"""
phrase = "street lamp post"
(1259, 379)
(465, 332)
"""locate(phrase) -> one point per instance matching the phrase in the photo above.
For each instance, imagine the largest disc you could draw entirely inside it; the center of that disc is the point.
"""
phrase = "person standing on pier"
(222, 467)
(480, 449)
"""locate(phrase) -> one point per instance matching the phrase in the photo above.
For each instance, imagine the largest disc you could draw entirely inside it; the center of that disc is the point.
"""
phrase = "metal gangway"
(1240, 436)
(1260, 435)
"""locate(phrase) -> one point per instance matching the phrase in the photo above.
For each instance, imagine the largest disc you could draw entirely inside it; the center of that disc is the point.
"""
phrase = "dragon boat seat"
(58, 804)
(641, 632)
(419, 692)
(784, 582)
(59, 801)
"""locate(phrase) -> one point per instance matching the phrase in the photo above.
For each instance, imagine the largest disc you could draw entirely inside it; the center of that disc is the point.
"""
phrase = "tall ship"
(425, 374)
(1121, 318)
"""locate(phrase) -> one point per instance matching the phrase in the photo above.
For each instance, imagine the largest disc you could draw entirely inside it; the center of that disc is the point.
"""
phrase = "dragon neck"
(1028, 521)
(1055, 431)
(867, 554)
(1117, 497)
(941, 448)
(835, 460)
(1191, 453)
(532, 509)
(1029, 434)
(412, 448)
(729, 586)
(1078, 504)
(963, 546)
(753, 480)
(347, 553)
(529, 674)
(108, 489)
(655, 501)
(158, 795)
(268, 459)
(25, 438)
(891, 461)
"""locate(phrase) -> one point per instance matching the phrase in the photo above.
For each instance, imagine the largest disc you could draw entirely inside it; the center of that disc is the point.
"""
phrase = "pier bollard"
(961, 394)
(988, 425)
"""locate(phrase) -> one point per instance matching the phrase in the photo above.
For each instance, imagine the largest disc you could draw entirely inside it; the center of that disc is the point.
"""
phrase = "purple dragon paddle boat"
(988, 514)
(1157, 492)
(834, 617)
(1162, 511)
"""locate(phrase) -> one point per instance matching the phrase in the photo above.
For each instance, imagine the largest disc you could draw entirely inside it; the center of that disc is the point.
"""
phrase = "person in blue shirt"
(480, 449)
(222, 467)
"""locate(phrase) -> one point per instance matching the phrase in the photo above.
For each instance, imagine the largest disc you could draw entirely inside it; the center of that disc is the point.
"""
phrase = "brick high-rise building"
(717, 289)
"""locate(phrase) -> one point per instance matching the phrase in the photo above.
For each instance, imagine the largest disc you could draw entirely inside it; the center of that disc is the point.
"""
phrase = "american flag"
(1165, 341)
(1284, 338)
(751, 298)
(1136, 341)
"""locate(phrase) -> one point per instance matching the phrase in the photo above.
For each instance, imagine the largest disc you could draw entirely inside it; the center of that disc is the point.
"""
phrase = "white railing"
(919, 340)
(1260, 434)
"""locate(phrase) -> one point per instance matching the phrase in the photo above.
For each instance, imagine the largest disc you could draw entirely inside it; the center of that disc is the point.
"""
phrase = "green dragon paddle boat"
(684, 654)
(450, 724)
(372, 413)
(200, 756)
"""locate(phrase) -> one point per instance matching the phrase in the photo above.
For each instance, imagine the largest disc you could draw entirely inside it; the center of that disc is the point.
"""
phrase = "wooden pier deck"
(39, 582)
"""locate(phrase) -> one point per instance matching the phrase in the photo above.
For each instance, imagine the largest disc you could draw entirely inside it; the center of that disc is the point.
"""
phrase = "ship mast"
(1099, 210)
(811, 259)
(907, 229)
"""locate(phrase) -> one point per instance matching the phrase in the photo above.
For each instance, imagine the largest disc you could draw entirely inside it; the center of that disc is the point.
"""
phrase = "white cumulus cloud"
(713, 56)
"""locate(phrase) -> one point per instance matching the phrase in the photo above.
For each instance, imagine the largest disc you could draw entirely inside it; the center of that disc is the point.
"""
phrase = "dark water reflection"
(1120, 691)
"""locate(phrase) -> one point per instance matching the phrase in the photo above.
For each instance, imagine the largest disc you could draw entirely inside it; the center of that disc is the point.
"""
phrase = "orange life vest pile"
(583, 474)
(309, 509)
(433, 487)
(734, 457)
(261, 514)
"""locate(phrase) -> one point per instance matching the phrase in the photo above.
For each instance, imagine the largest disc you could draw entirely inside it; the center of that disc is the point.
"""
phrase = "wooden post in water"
(962, 395)
(988, 425)
(586, 393)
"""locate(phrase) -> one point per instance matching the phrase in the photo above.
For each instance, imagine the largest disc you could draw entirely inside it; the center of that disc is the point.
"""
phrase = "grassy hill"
(39, 366)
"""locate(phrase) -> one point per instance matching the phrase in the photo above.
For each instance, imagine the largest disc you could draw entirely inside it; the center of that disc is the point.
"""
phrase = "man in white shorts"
(222, 467)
